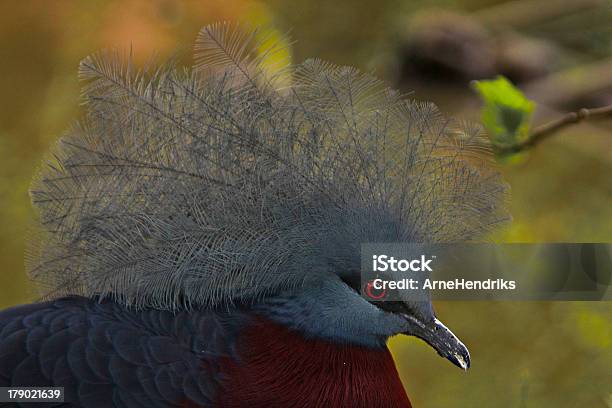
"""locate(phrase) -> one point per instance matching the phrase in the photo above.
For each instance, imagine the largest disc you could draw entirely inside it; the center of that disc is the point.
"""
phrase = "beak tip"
(460, 360)
(466, 365)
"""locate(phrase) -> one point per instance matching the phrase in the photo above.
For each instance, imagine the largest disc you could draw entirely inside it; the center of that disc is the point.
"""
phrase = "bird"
(198, 232)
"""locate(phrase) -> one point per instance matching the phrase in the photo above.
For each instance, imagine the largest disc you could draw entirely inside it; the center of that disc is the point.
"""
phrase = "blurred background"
(559, 52)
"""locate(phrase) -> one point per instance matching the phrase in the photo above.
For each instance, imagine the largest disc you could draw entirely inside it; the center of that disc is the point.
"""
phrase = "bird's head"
(331, 300)
(239, 181)
(332, 308)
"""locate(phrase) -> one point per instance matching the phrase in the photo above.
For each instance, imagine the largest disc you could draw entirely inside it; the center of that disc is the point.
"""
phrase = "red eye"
(374, 293)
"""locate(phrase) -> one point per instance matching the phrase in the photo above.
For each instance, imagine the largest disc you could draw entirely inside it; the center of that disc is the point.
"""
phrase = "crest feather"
(212, 185)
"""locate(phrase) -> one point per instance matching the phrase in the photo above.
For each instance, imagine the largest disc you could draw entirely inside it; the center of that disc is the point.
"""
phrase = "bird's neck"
(279, 367)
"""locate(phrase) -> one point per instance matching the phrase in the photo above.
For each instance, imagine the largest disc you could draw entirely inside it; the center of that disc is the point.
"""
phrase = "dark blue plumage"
(106, 355)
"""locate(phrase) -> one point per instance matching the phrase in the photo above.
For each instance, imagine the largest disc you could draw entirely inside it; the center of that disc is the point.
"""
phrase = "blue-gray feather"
(228, 183)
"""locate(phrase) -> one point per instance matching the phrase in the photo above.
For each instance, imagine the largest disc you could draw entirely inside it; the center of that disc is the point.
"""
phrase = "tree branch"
(542, 132)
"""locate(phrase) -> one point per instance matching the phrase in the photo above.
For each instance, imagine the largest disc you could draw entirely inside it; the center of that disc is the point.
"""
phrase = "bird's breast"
(278, 367)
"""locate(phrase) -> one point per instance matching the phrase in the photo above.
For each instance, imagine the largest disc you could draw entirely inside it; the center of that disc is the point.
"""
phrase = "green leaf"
(506, 113)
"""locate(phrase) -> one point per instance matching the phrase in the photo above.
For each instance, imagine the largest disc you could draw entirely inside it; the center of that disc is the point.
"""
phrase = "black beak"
(438, 336)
